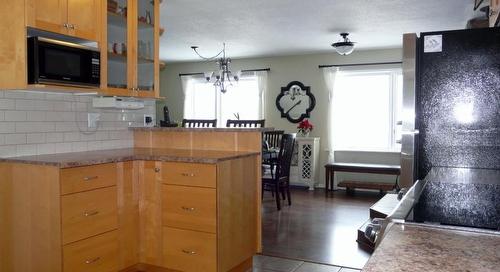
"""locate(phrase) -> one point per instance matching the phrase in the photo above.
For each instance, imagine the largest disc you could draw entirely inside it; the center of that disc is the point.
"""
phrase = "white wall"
(45, 123)
(303, 68)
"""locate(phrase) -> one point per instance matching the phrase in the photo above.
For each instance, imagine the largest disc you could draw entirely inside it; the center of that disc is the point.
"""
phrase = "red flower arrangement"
(305, 127)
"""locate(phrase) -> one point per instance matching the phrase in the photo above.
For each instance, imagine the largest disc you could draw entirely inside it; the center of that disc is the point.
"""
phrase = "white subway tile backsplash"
(24, 127)
(15, 116)
(72, 136)
(79, 146)
(36, 116)
(54, 137)
(7, 127)
(63, 147)
(46, 149)
(8, 151)
(36, 138)
(12, 139)
(43, 123)
(7, 104)
(26, 150)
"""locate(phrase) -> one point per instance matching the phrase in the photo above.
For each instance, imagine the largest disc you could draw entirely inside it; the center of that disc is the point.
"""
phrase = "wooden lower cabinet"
(187, 250)
(129, 216)
(96, 254)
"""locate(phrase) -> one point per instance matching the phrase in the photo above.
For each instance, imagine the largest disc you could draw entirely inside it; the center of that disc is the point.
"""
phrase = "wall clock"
(295, 102)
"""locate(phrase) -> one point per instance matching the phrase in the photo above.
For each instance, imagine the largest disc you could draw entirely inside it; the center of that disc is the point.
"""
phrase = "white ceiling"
(254, 28)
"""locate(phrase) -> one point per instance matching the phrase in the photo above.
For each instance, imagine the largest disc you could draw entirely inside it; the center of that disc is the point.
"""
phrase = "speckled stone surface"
(460, 196)
(182, 129)
(68, 160)
(430, 249)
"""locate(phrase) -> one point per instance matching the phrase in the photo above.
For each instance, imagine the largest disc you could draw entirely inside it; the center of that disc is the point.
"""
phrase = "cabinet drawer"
(190, 174)
(86, 178)
(187, 250)
(88, 213)
(96, 254)
(190, 208)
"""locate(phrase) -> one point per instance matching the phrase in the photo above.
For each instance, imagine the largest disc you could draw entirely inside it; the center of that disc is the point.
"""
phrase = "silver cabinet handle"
(65, 25)
(90, 178)
(188, 209)
(90, 213)
(187, 174)
(72, 26)
(157, 170)
(92, 260)
(190, 252)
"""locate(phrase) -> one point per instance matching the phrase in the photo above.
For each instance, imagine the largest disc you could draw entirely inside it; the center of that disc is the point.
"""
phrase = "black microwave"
(57, 62)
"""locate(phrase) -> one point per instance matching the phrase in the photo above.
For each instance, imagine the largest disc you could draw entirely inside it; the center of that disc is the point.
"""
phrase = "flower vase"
(304, 134)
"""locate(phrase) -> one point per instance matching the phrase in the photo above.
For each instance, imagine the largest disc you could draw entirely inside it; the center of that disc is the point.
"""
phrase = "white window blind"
(366, 110)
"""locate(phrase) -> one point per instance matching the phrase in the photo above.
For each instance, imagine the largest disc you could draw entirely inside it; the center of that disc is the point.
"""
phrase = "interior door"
(49, 15)
(84, 19)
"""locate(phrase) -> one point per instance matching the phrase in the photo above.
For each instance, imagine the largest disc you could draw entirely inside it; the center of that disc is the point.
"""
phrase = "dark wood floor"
(316, 228)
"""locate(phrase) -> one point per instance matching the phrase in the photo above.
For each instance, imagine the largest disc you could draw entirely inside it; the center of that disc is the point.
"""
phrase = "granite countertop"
(210, 129)
(75, 159)
(412, 247)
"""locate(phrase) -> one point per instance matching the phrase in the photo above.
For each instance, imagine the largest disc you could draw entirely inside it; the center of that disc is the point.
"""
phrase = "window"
(243, 99)
(367, 109)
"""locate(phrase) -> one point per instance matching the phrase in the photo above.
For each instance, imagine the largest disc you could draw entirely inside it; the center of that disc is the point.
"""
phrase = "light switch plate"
(92, 119)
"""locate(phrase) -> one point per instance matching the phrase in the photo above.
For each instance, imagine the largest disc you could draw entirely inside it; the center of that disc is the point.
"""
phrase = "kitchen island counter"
(87, 158)
(411, 247)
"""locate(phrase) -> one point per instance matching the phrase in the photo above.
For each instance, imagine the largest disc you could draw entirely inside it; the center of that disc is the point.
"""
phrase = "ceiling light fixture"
(344, 47)
(222, 77)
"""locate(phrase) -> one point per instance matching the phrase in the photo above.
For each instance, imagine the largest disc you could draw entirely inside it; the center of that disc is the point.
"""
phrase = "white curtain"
(330, 75)
(262, 83)
(185, 83)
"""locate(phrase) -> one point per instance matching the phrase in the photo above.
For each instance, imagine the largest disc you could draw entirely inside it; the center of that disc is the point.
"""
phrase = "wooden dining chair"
(246, 123)
(198, 123)
(277, 179)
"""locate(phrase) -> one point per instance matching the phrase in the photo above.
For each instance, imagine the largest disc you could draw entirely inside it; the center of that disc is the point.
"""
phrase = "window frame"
(393, 142)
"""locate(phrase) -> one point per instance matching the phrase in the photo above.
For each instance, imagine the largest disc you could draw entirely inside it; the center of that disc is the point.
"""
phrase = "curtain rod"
(243, 71)
(359, 64)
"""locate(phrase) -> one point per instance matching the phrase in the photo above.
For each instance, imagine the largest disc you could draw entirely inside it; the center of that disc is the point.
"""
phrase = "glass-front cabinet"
(132, 48)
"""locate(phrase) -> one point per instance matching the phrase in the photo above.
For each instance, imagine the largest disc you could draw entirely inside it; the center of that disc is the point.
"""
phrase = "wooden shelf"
(123, 58)
(119, 20)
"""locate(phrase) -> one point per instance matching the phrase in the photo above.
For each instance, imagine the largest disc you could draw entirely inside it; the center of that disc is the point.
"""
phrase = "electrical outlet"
(148, 120)
(92, 119)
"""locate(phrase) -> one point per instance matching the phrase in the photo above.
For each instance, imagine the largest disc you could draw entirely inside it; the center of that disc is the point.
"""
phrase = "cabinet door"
(118, 38)
(147, 60)
(84, 19)
(49, 15)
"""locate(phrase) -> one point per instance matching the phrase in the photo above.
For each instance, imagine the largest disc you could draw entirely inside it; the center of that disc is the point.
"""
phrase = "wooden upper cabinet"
(78, 18)
(48, 15)
(84, 19)
(131, 34)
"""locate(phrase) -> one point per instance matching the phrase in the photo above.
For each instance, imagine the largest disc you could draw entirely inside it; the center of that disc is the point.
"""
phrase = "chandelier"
(223, 77)
(344, 47)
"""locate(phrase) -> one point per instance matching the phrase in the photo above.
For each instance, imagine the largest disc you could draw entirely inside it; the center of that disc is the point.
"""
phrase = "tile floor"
(273, 264)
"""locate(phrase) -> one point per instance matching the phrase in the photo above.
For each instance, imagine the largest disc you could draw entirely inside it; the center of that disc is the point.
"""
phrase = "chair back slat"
(245, 123)
(198, 123)
(273, 138)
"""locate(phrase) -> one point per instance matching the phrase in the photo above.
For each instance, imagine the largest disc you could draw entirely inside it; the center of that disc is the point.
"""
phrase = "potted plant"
(305, 127)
